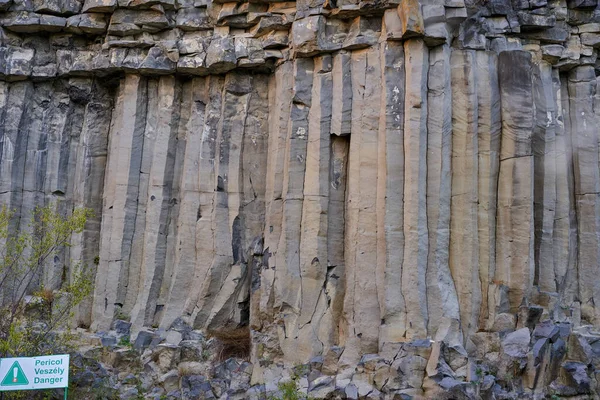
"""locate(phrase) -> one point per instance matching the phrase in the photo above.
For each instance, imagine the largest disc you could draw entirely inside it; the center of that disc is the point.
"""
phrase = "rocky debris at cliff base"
(547, 360)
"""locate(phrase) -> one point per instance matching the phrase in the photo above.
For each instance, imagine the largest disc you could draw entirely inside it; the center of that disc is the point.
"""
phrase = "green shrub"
(33, 318)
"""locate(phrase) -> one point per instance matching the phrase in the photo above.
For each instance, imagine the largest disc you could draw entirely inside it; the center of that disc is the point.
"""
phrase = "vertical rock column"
(160, 144)
(187, 194)
(341, 121)
(14, 101)
(442, 300)
(313, 240)
(262, 298)
(53, 145)
(329, 332)
(49, 172)
(464, 239)
(416, 56)
(361, 303)
(89, 184)
(33, 139)
(15, 98)
(132, 258)
(120, 199)
(514, 233)
(544, 154)
(254, 164)
(288, 279)
(210, 188)
(30, 172)
(584, 137)
(238, 216)
(223, 220)
(390, 181)
(341, 104)
(565, 217)
(488, 141)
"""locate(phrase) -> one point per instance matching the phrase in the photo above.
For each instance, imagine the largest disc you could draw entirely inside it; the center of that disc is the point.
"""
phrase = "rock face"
(346, 178)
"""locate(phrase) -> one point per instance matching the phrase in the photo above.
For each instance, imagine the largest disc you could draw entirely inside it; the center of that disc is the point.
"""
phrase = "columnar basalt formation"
(346, 178)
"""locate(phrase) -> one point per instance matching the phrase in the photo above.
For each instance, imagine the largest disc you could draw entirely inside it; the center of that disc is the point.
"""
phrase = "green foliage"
(289, 391)
(125, 341)
(31, 325)
(121, 315)
(35, 395)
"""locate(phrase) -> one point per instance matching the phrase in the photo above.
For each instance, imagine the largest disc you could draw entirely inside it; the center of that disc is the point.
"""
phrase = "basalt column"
(584, 139)
(183, 201)
(515, 224)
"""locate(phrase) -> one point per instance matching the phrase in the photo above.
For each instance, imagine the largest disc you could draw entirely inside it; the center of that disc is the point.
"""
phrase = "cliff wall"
(342, 176)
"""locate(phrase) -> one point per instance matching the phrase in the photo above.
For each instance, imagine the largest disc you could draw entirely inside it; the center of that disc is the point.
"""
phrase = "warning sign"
(34, 372)
(15, 376)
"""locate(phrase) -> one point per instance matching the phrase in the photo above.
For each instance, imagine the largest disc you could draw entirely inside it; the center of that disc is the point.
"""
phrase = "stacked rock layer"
(340, 176)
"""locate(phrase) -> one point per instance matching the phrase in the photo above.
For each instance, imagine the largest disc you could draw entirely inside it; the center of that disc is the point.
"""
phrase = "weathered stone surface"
(582, 85)
(516, 344)
(488, 131)
(464, 246)
(390, 182)
(99, 5)
(416, 55)
(514, 245)
(442, 300)
(361, 302)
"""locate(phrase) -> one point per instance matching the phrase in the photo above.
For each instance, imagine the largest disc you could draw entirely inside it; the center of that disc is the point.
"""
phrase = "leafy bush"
(31, 314)
(32, 317)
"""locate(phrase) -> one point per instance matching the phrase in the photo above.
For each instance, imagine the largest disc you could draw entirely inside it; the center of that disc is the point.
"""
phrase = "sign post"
(32, 373)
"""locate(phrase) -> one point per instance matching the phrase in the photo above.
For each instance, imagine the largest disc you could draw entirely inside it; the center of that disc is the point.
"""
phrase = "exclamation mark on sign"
(15, 370)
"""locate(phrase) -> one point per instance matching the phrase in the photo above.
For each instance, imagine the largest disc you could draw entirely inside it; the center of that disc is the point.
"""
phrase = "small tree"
(29, 328)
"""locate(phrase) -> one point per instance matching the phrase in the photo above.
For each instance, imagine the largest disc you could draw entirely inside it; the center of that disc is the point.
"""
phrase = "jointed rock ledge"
(401, 195)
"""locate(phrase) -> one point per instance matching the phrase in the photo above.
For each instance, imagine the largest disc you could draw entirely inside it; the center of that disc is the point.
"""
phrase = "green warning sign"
(31, 373)
(15, 376)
